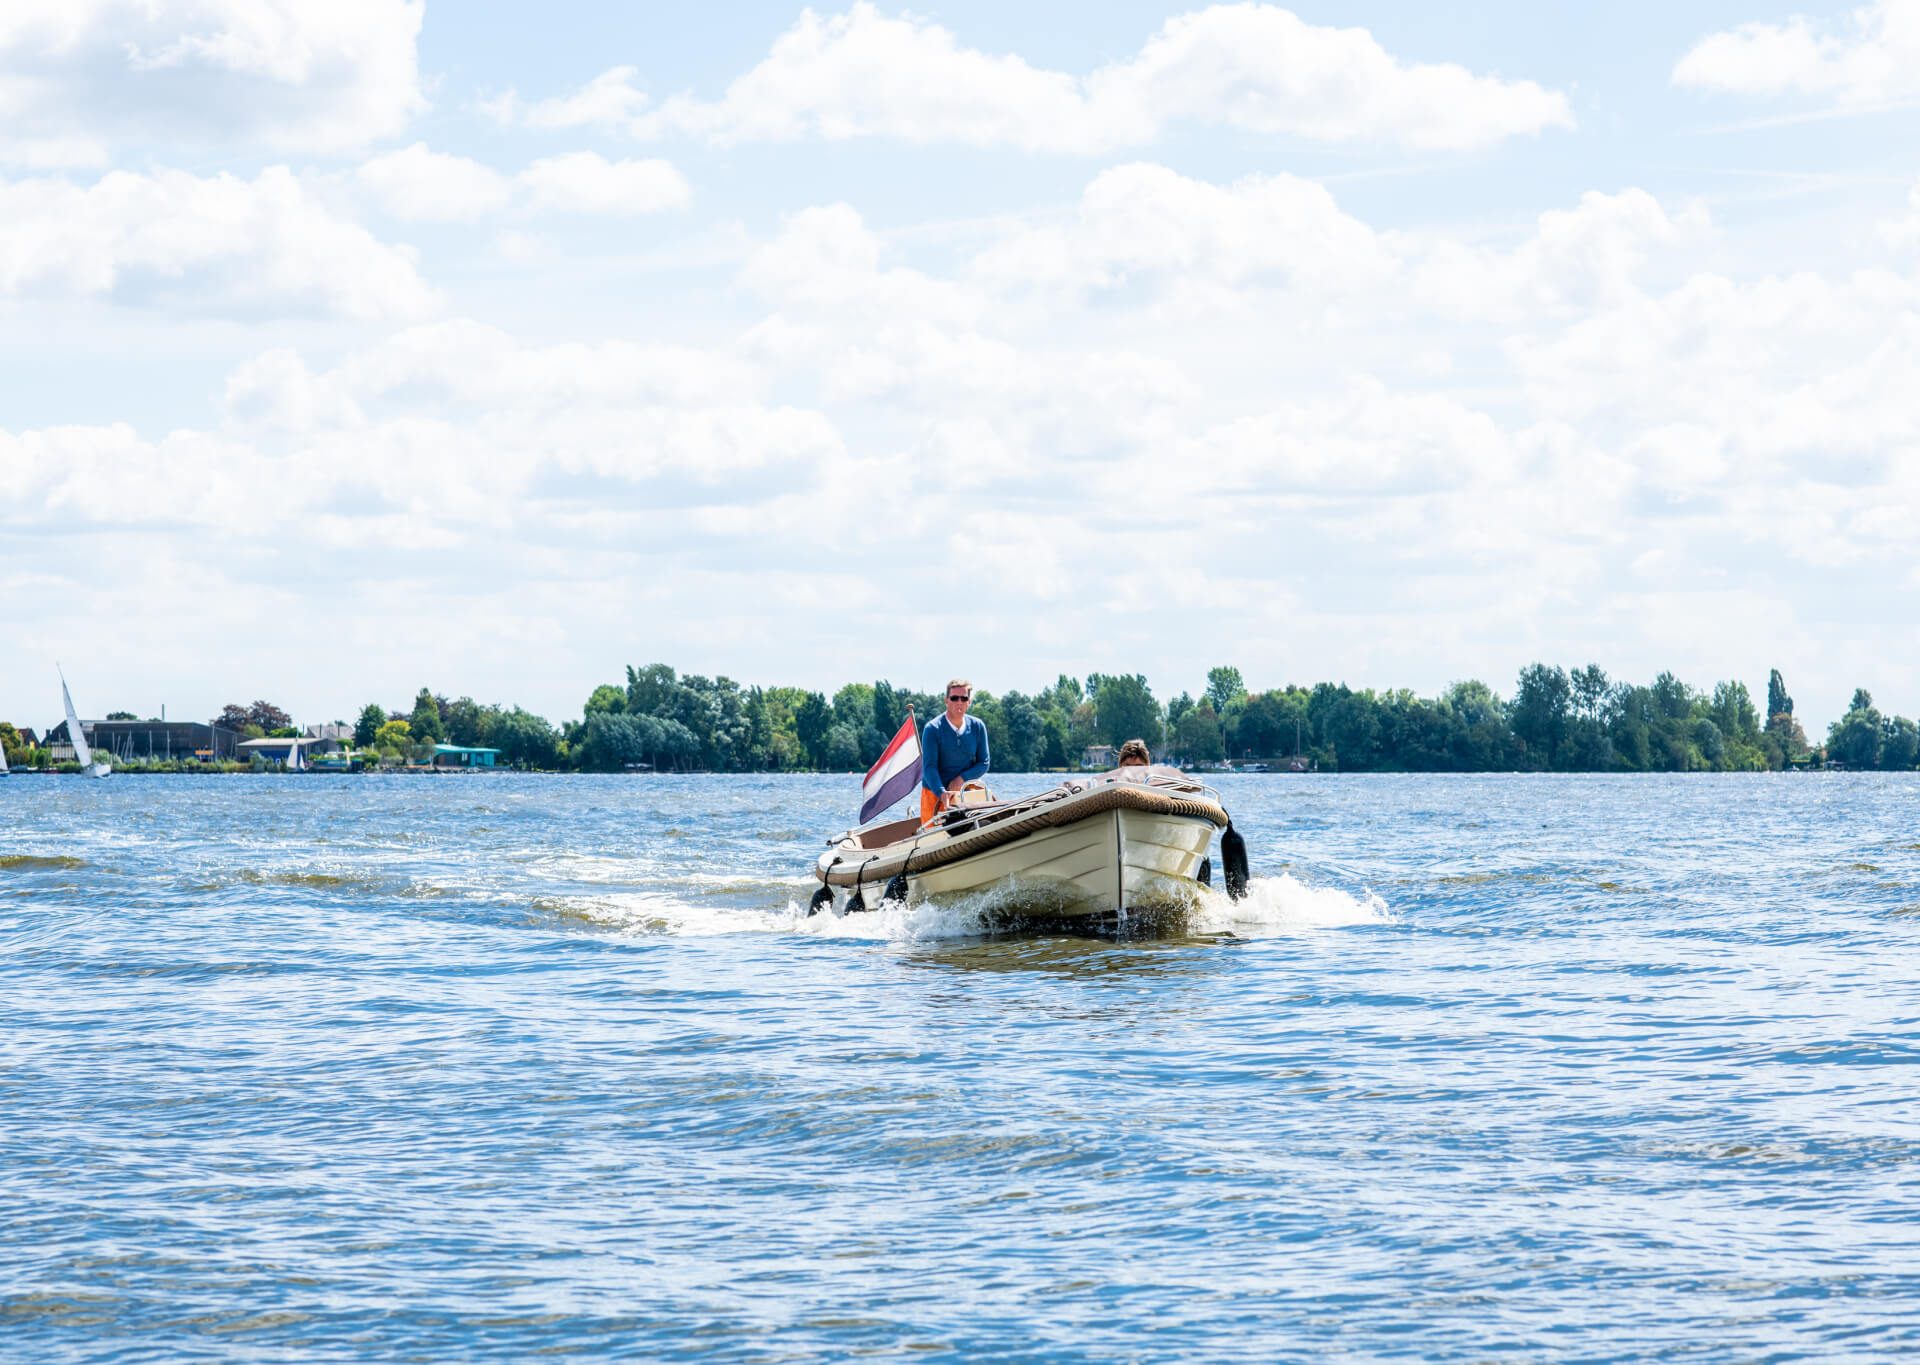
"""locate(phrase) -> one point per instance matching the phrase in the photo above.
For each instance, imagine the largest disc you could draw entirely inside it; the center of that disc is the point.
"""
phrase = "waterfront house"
(1099, 757)
(278, 750)
(448, 756)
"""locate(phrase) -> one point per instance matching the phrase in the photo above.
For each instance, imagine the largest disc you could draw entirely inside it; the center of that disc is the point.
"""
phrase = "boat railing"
(965, 819)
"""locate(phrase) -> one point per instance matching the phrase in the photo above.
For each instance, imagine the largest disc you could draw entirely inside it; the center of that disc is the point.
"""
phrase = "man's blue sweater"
(946, 754)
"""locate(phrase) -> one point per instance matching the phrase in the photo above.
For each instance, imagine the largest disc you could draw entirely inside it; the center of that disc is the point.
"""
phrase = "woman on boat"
(953, 751)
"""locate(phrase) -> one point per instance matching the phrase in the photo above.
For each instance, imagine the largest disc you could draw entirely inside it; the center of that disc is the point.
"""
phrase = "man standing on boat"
(953, 751)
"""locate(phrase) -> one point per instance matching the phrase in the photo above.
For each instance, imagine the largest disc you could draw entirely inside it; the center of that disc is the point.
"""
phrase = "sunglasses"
(959, 696)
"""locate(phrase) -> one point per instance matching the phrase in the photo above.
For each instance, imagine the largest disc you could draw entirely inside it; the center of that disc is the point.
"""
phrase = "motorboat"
(1137, 839)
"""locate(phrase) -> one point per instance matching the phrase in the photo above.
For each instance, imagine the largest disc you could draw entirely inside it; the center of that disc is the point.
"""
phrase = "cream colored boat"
(1137, 839)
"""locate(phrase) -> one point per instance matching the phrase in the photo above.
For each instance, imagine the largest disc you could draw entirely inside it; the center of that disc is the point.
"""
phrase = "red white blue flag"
(895, 775)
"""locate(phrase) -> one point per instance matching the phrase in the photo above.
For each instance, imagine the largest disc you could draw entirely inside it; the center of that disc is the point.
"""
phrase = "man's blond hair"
(959, 682)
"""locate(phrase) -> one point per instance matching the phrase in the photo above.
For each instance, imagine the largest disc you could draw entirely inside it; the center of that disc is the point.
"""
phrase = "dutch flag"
(896, 774)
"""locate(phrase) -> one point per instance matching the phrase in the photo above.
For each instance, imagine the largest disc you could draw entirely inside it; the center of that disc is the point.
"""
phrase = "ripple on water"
(1546, 1068)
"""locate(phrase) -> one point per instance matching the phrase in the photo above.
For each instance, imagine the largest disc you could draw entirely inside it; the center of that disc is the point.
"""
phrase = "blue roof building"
(463, 756)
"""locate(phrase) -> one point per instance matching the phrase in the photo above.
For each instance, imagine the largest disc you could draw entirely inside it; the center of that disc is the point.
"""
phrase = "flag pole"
(923, 757)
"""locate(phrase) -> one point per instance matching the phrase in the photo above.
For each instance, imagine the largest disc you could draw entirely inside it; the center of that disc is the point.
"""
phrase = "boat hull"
(1115, 862)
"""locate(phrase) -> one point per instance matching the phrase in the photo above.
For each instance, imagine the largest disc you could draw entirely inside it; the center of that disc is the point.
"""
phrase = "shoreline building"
(128, 740)
(277, 749)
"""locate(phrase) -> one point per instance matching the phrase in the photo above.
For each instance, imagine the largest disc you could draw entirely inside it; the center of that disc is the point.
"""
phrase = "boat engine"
(822, 900)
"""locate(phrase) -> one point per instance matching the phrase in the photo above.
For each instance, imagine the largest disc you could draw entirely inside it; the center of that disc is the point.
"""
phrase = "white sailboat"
(4, 769)
(295, 764)
(89, 766)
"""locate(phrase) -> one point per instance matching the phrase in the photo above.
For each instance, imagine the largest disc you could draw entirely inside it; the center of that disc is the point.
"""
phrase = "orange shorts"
(929, 806)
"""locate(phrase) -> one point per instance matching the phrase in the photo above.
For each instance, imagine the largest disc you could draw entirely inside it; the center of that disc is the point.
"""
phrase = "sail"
(74, 732)
(294, 764)
(3, 761)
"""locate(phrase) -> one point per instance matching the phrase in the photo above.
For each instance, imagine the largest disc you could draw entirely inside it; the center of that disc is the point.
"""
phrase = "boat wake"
(1285, 903)
(1272, 905)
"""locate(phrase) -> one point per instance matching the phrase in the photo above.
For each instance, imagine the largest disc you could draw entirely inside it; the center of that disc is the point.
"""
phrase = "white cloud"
(419, 184)
(423, 185)
(826, 262)
(1874, 56)
(1904, 231)
(1251, 66)
(1144, 225)
(203, 244)
(609, 99)
(1189, 409)
(289, 75)
(1262, 68)
(1364, 439)
(464, 365)
(1146, 220)
(584, 182)
(1576, 257)
(437, 431)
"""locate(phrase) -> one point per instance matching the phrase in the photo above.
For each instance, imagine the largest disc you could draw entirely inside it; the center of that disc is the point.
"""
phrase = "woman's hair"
(1135, 748)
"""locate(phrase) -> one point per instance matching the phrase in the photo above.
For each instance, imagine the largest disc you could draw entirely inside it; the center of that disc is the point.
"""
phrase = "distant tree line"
(1557, 720)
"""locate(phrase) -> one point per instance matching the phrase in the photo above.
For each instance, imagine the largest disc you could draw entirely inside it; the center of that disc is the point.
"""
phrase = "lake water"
(327, 1068)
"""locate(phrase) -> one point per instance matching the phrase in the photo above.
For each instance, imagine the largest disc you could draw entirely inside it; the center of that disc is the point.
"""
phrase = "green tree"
(1025, 732)
(1056, 742)
(606, 699)
(1126, 710)
(1899, 744)
(1778, 702)
(523, 739)
(13, 746)
(1224, 686)
(1856, 738)
(853, 708)
(988, 708)
(1710, 740)
(1346, 727)
(1541, 712)
(1732, 707)
(1065, 696)
(425, 721)
(464, 721)
(812, 720)
(372, 717)
(1083, 730)
(394, 734)
(1589, 748)
(890, 708)
(652, 691)
(842, 749)
(1479, 738)
(1196, 735)
(785, 753)
(1266, 726)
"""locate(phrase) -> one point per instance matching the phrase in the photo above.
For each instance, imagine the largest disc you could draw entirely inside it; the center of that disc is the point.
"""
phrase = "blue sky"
(491, 347)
